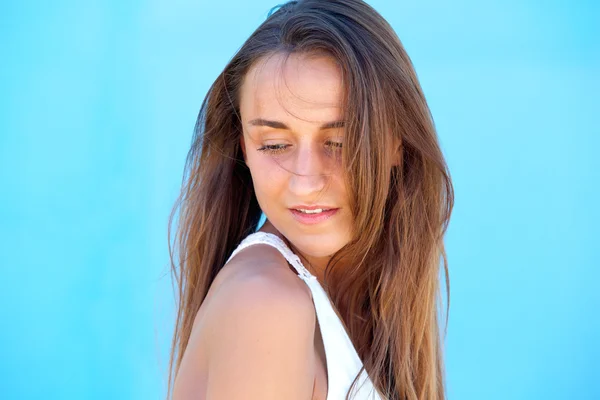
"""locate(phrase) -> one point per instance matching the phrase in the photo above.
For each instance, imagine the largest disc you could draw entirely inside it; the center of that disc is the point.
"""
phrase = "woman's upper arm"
(260, 341)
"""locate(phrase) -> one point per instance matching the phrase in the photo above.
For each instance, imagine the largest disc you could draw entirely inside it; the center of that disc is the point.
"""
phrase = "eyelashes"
(280, 148)
(273, 148)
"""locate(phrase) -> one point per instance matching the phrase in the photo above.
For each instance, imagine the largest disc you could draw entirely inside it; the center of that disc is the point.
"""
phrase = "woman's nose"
(307, 173)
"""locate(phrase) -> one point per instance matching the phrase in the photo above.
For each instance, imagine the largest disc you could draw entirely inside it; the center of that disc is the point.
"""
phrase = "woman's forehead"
(308, 87)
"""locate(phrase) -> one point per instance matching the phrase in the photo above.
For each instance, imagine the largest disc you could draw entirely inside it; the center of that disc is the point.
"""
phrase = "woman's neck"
(315, 265)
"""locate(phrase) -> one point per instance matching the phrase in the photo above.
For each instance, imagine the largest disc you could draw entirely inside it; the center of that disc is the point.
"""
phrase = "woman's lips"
(311, 219)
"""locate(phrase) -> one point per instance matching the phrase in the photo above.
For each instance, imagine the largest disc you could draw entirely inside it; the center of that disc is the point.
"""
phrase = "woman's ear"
(397, 155)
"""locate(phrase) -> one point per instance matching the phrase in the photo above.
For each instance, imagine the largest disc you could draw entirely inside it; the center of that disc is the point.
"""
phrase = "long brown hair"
(389, 298)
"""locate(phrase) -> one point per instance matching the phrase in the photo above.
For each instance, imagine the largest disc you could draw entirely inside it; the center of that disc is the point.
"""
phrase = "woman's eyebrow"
(281, 125)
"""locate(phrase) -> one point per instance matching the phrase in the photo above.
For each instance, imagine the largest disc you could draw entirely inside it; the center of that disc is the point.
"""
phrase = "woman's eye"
(278, 148)
(273, 148)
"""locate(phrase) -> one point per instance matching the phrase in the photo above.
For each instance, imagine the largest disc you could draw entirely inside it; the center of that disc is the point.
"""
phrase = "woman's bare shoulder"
(257, 329)
(262, 265)
(260, 274)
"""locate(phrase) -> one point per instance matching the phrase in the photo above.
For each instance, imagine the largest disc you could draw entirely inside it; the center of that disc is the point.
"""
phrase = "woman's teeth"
(315, 211)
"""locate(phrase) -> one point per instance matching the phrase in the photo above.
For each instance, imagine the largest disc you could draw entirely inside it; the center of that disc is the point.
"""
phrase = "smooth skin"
(256, 336)
(303, 93)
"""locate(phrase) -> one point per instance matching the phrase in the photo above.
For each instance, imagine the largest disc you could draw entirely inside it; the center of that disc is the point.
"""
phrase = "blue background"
(97, 106)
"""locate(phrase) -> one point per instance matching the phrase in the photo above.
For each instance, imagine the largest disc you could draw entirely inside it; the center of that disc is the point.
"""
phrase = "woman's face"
(292, 138)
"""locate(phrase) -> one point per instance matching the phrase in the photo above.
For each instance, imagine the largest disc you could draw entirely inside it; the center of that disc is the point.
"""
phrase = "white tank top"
(343, 362)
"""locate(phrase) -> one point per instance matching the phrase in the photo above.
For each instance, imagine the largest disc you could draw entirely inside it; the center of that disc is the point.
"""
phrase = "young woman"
(319, 123)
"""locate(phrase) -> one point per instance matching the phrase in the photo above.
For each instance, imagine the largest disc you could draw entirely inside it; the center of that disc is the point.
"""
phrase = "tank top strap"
(275, 241)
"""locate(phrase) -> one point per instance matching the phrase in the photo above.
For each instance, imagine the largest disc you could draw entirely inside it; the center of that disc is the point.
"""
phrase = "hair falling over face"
(401, 200)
